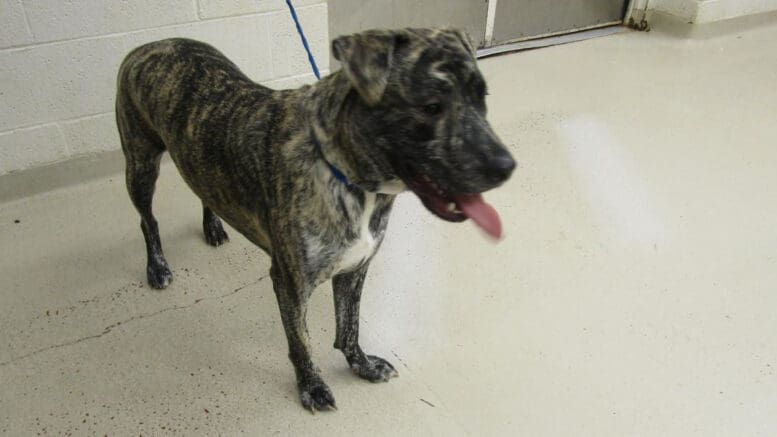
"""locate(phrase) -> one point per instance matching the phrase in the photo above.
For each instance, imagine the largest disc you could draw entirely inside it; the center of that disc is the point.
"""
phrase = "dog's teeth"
(452, 207)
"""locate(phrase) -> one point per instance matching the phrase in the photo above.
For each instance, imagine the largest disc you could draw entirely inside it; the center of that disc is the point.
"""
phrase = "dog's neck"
(348, 161)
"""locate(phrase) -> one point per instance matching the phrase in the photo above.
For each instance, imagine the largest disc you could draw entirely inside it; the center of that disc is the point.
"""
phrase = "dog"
(310, 175)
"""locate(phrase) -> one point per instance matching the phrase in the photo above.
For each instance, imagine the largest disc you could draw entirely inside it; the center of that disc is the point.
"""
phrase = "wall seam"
(26, 19)
(104, 113)
(198, 9)
(63, 138)
(62, 120)
(22, 47)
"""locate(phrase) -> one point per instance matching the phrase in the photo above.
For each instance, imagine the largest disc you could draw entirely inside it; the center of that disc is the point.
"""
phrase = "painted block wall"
(707, 11)
(59, 59)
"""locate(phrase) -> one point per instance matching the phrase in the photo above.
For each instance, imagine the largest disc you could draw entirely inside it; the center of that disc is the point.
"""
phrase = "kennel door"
(348, 16)
(516, 20)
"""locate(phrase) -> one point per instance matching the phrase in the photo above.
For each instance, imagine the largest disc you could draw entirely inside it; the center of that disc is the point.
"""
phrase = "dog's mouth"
(456, 207)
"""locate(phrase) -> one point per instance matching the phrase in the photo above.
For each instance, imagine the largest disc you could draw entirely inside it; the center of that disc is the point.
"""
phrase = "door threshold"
(553, 40)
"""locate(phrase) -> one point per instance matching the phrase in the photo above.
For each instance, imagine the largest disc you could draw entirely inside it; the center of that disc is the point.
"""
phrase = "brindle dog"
(310, 175)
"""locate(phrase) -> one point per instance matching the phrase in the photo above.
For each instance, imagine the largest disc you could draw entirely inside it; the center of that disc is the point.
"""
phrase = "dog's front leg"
(292, 296)
(347, 289)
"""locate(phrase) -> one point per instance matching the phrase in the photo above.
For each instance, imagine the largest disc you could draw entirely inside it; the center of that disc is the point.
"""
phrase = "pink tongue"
(483, 214)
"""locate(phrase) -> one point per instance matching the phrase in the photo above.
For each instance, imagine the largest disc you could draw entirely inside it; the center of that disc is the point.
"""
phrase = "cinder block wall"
(707, 11)
(59, 59)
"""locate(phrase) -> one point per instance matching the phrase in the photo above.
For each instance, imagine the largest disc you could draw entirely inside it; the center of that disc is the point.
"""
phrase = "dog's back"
(186, 97)
(175, 81)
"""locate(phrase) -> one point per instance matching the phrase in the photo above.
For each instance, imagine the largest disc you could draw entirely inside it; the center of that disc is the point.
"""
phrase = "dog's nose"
(501, 165)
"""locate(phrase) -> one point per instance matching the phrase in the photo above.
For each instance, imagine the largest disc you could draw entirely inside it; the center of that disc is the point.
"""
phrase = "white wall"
(705, 11)
(59, 59)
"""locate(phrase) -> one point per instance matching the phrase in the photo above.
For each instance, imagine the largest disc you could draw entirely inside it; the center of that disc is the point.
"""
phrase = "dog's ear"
(463, 38)
(366, 59)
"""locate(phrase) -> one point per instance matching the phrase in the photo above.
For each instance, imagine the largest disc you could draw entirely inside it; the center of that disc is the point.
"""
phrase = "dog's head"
(419, 102)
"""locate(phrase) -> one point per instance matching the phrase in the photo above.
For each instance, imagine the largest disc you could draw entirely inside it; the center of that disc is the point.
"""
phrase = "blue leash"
(335, 171)
(304, 40)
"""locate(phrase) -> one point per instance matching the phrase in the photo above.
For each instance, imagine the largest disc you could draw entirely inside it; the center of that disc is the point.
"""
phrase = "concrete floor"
(635, 292)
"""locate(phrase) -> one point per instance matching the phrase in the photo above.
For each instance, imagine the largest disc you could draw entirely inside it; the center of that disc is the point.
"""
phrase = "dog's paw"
(159, 276)
(317, 396)
(215, 235)
(374, 369)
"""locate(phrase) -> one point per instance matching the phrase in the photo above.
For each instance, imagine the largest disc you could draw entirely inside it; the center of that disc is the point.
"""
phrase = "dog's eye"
(432, 108)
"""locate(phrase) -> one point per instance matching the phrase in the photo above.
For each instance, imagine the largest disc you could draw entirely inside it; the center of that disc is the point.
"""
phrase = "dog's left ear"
(366, 59)
(463, 38)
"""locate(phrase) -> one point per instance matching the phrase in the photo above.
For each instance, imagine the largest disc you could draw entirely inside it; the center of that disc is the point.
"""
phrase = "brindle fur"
(257, 158)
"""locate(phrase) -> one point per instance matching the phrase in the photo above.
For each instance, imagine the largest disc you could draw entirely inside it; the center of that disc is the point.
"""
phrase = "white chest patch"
(393, 187)
(364, 246)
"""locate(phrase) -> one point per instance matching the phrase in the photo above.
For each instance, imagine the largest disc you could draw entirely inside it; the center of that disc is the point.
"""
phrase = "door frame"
(635, 10)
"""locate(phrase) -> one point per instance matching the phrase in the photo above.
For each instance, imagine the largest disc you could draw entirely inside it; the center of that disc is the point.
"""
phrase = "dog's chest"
(364, 246)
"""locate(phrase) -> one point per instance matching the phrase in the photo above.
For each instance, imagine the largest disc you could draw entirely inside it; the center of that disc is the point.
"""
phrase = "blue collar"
(338, 174)
(335, 171)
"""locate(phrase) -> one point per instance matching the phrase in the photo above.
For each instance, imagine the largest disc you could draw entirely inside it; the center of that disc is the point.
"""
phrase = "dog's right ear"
(367, 59)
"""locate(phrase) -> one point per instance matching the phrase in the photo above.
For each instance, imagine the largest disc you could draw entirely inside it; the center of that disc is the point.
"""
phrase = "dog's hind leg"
(141, 179)
(215, 235)
(143, 150)
(292, 302)
(347, 289)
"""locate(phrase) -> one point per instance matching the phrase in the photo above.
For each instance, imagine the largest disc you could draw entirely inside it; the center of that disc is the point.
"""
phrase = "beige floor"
(635, 292)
